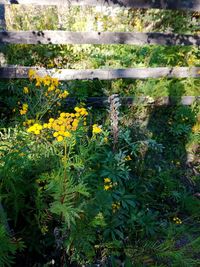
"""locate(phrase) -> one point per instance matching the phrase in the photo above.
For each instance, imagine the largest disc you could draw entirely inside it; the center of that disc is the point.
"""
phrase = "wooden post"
(2, 27)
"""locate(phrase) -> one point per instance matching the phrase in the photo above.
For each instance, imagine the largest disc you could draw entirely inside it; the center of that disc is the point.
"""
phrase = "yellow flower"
(37, 132)
(23, 111)
(67, 134)
(55, 81)
(107, 180)
(83, 112)
(30, 129)
(75, 123)
(77, 109)
(49, 125)
(38, 83)
(62, 115)
(46, 80)
(26, 90)
(36, 128)
(45, 125)
(39, 127)
(127, 158)
(25, 106)
(59, 138)
(51, 120)
(55, 134)
(51, 88)
(96, 129)
(65, 94)
(106, 187)
(62, 128)
(31, 73)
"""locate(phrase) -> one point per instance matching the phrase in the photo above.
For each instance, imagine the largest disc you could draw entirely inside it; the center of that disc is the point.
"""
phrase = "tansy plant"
(43, 95)
(43, 98)
(62, 126)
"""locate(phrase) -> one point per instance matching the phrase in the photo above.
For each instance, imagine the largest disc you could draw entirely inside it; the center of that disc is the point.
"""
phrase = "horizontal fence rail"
(17, 72)
(133, 101)
(65, 37)
(168, 4)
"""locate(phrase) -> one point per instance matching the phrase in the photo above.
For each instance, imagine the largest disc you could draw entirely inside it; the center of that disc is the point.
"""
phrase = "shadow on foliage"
(171, 126)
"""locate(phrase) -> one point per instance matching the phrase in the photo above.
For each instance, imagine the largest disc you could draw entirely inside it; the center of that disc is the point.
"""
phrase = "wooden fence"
(161, 4)
(136, 38)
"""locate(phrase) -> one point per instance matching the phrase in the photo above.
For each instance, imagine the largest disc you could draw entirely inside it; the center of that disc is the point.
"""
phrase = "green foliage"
(8, 247)
(100, 198)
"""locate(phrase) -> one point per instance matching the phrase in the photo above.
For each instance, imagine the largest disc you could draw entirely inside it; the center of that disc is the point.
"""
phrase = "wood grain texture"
(103, 74)
(168, 4)
(64, 37)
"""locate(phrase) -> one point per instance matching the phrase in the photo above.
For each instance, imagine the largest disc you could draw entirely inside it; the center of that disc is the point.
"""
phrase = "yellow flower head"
(67, 134)
(59, 138)
(26, 90)
(51, 120)
(23, 111)
(96, 129)
(107, 180)
(35, 128)
(25, 106)
(31, 73)
(107, 187)
(45, 125)
(127, 158)
(55, 134)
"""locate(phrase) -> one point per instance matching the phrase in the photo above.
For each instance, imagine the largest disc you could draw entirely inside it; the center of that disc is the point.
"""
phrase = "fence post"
(2, 27)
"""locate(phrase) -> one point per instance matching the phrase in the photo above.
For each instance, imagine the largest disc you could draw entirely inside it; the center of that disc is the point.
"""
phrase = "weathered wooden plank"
(63, 37)
(132, 101)
(167, 4)
(103, 74)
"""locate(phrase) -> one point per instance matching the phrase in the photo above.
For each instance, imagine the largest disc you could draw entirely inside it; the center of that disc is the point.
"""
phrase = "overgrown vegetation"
(114, 186)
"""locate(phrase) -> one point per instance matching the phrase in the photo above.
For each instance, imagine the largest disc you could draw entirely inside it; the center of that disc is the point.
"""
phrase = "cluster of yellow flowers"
(66, 122)
(108, 184)
(177, 220)
(96, 129)
(24, 109)
(49, 82)
(35, 128)
(63, 126)
(115, 206)
(46, 81)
